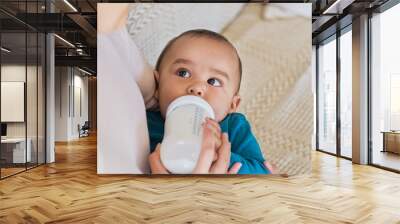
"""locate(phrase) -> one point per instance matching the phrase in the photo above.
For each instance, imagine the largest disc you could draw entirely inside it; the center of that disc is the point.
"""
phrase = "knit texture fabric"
(275, 50)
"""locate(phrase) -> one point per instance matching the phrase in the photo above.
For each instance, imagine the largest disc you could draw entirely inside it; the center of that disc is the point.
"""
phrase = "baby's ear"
(156, 76)
(234, 104)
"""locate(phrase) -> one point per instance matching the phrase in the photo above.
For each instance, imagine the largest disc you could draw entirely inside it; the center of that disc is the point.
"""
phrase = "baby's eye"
(214, 82)
(183, 73)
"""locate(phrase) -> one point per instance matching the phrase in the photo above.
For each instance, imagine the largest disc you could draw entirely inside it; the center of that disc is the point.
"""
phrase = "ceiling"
(332, 15)
(77, 26)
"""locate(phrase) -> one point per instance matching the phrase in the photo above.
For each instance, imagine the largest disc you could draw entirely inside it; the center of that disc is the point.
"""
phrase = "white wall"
(11, 73)
(62, 81)
(67, 115)
(79, 117)
(14, 73)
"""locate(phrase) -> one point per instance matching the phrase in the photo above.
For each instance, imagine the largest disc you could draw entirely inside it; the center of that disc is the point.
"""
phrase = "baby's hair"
(200, 33)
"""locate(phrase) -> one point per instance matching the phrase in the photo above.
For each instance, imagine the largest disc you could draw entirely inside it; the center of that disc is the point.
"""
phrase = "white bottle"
(183, 133)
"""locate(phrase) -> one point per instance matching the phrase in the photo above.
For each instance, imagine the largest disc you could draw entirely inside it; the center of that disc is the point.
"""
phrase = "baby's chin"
(219, 118)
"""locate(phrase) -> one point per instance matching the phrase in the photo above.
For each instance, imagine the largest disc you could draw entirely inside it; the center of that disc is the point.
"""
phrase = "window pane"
(31, 100)
(345, 94)
(13, 87)
(41, 98)
(327, 97)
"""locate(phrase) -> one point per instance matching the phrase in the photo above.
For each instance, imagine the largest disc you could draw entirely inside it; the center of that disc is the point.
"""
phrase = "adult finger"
(214, 124)
(155, 162)
(235, 168)
(215, 157)
(270, 167)
(224, 153)
(207, 152)
(216, 130)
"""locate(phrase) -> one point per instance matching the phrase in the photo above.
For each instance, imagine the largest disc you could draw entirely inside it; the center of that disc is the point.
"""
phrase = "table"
(15, 148)
(391, 141)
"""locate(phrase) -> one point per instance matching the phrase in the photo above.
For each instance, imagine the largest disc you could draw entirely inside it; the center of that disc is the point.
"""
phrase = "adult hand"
(216, 146)
(214, 157)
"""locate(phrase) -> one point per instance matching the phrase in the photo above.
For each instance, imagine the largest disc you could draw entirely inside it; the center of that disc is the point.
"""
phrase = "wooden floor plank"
(70, 191)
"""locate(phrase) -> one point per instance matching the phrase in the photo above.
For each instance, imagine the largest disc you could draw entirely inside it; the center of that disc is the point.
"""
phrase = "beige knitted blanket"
(275, 47)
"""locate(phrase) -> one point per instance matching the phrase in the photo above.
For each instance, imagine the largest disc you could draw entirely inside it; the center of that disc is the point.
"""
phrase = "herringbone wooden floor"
(70, 191)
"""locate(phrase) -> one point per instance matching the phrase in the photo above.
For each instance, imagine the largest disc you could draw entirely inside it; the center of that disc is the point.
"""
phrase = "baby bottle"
(183, 133)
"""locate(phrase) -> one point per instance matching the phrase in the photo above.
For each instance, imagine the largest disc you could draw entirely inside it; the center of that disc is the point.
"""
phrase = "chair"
(84, 130)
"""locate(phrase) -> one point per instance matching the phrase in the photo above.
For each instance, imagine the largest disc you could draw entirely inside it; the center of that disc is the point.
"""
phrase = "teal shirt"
(244, 146)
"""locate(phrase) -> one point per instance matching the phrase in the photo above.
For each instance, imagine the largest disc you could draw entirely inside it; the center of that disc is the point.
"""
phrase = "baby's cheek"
(219, 110)
(163, 107)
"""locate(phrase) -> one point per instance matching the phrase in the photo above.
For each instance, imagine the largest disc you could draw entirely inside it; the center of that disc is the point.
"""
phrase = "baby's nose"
(196, 90)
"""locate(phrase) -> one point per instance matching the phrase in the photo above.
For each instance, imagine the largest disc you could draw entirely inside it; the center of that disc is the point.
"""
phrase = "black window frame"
(334, 37)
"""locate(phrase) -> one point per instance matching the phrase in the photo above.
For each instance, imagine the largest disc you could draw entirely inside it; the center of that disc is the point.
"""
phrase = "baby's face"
(202, 67)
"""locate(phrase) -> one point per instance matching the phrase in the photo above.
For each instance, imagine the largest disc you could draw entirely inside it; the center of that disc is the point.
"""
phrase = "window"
(385, 89)
(327, 96)
(22, 66)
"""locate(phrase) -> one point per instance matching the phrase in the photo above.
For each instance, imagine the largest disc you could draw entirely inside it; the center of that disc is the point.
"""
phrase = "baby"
(205, 64)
